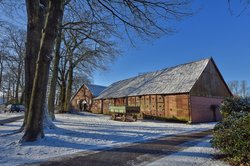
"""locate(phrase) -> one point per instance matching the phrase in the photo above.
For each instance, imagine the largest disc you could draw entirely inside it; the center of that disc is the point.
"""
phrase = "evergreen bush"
(232, 135)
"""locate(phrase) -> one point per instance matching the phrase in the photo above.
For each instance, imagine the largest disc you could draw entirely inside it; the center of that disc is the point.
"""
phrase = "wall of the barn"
(203, 109)
(177, 106)
(97, 107)
(120, 101)
(163, 106)
(83, 94)
(210, 83)
(210, 89)
(105, 105)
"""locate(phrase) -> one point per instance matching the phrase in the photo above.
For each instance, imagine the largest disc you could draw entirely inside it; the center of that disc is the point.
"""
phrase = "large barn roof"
(96, 89)
(178, 79)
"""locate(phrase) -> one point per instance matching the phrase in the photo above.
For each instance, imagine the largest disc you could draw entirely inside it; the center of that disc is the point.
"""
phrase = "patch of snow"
(84, 132)
(200, 154)
(6, 115)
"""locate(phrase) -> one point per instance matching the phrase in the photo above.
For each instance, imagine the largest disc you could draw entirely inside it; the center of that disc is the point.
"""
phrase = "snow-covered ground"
(200, 154)
(9, 115)
(84, 132)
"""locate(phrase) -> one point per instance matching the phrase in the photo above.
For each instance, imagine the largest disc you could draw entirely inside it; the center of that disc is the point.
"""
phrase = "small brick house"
(188, 92)
(83, 98)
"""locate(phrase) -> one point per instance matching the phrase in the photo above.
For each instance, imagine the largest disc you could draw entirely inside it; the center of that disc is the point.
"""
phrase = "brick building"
(188, 92)
(83, 98)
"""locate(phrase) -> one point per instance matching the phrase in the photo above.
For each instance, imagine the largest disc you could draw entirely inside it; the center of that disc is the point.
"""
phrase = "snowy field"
(84, 132)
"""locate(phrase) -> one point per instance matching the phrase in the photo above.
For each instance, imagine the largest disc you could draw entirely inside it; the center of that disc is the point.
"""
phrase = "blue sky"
(213, 31)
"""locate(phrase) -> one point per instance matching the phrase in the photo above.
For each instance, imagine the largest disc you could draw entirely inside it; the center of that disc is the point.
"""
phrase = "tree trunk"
(1, 70)
(3, 98)
(62, 95)
(67, 104)
(16, 91)
(13, 91)
(34, 126)
(22, 98)
(47, 120)
(8, 91)
(34, 33)
(52, 93)
(17, 86)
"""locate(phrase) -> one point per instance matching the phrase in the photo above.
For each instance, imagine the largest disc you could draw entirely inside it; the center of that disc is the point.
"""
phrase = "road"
(9, 120)
(135, 154)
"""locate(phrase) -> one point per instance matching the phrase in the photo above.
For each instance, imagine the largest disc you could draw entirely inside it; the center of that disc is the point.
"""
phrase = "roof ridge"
(96, 85)
(143, 83)
(167, 68)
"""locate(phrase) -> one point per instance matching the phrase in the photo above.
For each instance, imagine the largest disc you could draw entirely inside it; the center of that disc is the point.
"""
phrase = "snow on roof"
(178, 79)
(96, 89)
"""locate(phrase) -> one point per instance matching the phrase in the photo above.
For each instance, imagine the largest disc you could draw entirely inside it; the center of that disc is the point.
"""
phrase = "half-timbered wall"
(97, 107)
(177, 106)
(199, 87)
(105, 105)
(164, 106)
(120, 102)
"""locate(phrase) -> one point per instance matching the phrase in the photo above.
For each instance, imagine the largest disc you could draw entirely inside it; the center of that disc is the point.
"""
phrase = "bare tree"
(2, 58)
(131, 17)
(15, 60)
(85, 53)
(34, 126)
(244, 89)
(53, 82)
(12, 60)
(239, 88)
(234, 87)
(140, 16)
(134, 17)
(243, 6)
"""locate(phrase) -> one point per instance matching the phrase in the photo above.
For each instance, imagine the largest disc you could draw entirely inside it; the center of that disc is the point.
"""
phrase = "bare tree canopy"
(94, 38)
(90, 32)
(147, 18)
(239, 88)
(12, 63)
(238, 7)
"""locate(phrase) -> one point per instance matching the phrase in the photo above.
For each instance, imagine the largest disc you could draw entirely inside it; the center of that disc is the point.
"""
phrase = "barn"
(189, 92)
(83, 98)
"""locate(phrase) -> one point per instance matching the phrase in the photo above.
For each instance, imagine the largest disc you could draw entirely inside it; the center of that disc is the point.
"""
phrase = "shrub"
(232, 135)
(235, 104)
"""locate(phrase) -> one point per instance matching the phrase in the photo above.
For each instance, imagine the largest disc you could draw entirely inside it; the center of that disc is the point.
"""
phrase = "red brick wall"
(201, 110)
(82, 94)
